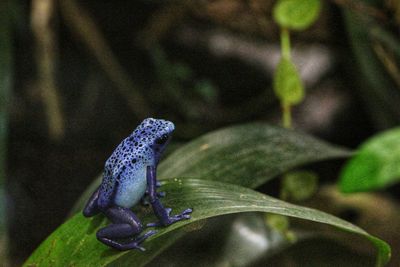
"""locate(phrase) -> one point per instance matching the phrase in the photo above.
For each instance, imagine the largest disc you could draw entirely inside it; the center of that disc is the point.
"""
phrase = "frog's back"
(124, 178)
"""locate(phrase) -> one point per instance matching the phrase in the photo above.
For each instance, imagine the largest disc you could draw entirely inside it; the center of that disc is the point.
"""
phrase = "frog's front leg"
(145, 199)
(125, 225)
(163, 214)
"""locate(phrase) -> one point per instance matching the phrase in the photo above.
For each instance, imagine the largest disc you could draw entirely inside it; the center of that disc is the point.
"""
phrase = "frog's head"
(155, 133)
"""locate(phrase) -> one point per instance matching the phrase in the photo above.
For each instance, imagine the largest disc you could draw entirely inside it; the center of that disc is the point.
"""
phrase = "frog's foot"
(166, 219)
(126, 225)
(134, 244)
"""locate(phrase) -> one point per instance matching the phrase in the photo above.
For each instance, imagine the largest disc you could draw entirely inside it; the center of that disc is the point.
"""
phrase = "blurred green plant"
(376, 164)
(296, 14)
(180, 86)
(288, 86)
(299, 185)
(291, 15)
(376, 88)
(218, 161)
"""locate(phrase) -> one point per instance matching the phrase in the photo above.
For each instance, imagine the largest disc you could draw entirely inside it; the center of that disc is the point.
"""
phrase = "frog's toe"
(167, 220)
(179, 217)
(187, 211)
(137, 246)
(154, 224)
(145, 236)
(184, 215)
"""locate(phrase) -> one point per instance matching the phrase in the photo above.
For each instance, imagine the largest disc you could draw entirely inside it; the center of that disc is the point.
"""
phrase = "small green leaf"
(288, 86)
(299, 185)
(74, 243)
(277, 222)
(296, 14)
(375, 166)
(281, 224)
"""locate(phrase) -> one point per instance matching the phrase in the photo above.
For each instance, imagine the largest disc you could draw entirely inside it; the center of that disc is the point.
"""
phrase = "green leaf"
(248, 155)
(299, 185)
(74, 243)
(288, 86)
(375, 166)
(375, 85)
(296, 14)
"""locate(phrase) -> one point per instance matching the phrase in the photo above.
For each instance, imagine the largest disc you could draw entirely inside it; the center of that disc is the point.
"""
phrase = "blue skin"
(130, 176)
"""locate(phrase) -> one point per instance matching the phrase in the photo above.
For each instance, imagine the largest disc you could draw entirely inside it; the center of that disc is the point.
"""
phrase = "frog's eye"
(162, 139)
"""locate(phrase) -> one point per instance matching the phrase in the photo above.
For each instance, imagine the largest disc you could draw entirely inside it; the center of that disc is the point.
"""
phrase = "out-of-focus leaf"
(287, 83)
(375, 87)
(281, 224)
(74, 243)
(248, 155)
(299, 185)
(371, 211)
(296, 14)
(387, 38)
(207, 90)
(375, 166)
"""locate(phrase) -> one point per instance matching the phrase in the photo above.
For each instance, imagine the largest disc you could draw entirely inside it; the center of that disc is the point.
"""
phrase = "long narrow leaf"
(75, 244)
(248, 155)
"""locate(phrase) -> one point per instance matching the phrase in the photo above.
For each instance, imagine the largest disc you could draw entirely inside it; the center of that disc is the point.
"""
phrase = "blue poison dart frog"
(130, 176)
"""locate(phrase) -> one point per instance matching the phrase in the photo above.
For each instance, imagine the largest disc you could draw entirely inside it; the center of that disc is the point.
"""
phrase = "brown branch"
(361, 8)
(388, 62)
(83, 25)
(162, 21)
(41, 22)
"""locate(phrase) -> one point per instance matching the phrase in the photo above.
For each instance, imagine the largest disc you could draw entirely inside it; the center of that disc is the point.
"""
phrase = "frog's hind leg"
(126, 225)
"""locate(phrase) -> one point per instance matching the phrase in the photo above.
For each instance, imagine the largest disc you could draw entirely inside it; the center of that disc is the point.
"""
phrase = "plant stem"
(285, 48)
(84, 26)
(285, 43)
(286, 116)
(43, 28)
